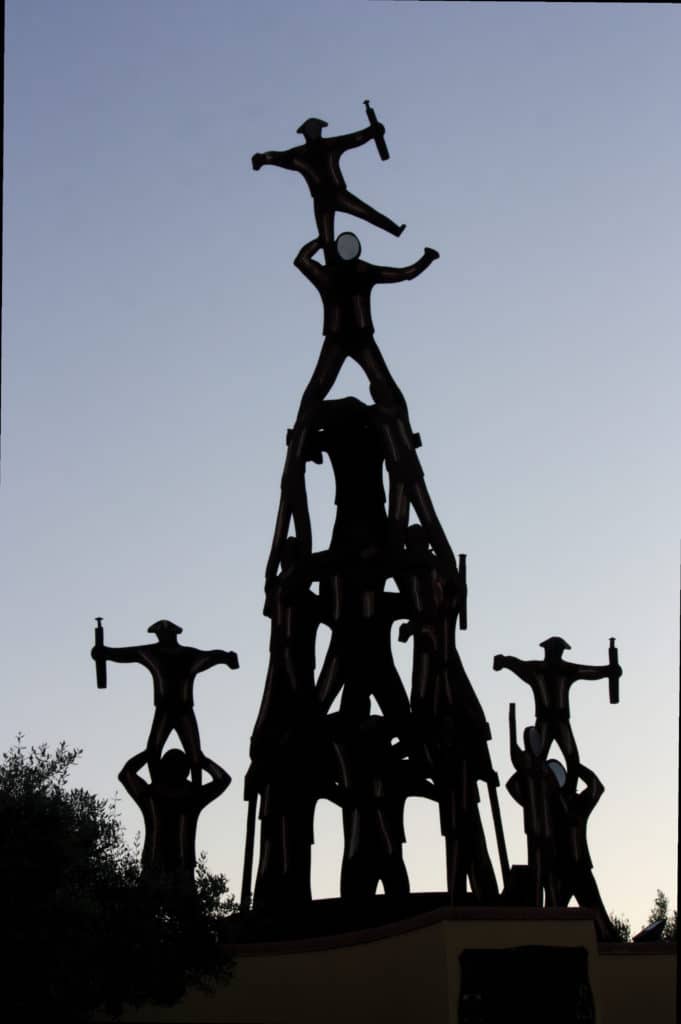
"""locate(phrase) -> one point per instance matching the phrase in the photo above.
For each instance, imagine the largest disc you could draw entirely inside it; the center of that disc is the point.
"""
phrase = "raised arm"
(595, 789)
(391, 275)
(221, 781)
(306, 265)
(128, 776)
(516, 752)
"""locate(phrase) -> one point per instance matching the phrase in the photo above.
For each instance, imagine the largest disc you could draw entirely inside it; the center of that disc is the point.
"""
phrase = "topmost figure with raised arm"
(317, 159)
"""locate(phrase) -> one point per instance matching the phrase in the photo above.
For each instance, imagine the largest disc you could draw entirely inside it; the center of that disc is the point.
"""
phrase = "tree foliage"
(660, 912)
(622, 927)
(85, 935)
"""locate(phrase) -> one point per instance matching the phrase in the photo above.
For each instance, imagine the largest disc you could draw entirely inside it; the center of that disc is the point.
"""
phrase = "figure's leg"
(331, 358)
(324, 215)
(161, 728)
(587, 895)
(568, 747)
(347, 203)
(330, 680)
(383, 387)
(394, 875)
(480, 870)
(188, 731)
(388, 689)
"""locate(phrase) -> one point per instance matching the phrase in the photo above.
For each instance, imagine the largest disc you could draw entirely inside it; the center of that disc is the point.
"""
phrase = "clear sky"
(157, 339)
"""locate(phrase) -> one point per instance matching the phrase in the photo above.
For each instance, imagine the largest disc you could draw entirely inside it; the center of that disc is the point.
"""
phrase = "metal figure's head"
(348, 247)
(312, 128)
(290, 552)
(558, 772)
(417, 538)
(532, 741)
(173, 768)
(164, 629)
(554, 647)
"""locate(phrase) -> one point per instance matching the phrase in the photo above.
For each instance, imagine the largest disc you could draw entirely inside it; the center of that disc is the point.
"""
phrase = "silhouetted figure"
(571, 811)
(345, 288)
(171, 805)
(376, 781)
(550, 681)
(290, 776)
(318, 160)
(534, 786)
(459, 761)
(173, 669)
(296, 614)
(419, 579)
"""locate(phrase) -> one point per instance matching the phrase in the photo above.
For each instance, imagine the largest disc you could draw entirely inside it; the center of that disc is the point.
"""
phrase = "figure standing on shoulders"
(317, 159)
(550, 681)
(173, 669)
(345, 288)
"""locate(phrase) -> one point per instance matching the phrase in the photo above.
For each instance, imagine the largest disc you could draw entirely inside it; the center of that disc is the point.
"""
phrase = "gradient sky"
(157, 339)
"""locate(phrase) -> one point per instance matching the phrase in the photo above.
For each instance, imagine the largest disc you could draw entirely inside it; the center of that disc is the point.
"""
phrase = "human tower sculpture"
(432, 742)
(387, 561)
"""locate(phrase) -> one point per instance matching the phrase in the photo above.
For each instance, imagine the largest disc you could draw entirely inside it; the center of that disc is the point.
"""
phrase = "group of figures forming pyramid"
(388, 561)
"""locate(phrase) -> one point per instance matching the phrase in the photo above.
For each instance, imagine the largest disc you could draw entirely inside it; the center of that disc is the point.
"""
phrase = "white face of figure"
(347, 246)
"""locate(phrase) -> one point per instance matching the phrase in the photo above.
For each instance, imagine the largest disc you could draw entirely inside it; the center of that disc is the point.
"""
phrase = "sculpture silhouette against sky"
(169, 801)
(375, 571)
(550, 681)
(318, 160)
(555, 809)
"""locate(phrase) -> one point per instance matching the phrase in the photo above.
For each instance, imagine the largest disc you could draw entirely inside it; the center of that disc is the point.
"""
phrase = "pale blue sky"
(157, 340)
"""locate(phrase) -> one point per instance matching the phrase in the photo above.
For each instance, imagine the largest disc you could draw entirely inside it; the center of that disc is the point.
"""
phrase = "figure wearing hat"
(173, 669)
(550, 681)
(317, 159)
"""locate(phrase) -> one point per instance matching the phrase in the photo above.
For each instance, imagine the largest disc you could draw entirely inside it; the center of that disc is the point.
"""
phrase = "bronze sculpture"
(171, 805)
(376, 572)
(170, 802)
(173, 668)
(550, 681)
(555, 809)
(318, 160)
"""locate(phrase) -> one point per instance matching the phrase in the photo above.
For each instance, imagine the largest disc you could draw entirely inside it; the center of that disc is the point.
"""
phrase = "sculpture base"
(448, 965)
(331, 917)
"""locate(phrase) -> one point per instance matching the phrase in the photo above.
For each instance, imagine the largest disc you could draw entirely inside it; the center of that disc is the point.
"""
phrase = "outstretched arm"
(121, 654)
(306, 265)
(523, 669)
(280, 158)
(211, 658)
(354, 139)
(593, 671)
(391, 275)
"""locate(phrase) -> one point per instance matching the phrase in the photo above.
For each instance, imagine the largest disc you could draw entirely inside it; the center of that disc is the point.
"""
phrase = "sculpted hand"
(379, 129)
(432, 254)
(257, 161)
(499, 662)
(232, 659)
